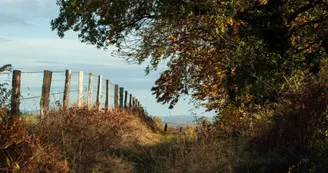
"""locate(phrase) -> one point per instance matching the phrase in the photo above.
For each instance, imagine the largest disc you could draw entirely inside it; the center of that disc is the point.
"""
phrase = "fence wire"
(32, 87)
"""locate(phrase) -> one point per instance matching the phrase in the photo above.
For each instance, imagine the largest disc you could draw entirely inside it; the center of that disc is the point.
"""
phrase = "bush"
(289, 136)
(19, 152)
(297, 129)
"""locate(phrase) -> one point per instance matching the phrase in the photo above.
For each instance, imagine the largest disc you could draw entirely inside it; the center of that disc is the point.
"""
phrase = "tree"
(220, 52)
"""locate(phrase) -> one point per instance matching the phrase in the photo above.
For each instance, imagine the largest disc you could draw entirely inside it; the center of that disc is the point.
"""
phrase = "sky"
(27, 42)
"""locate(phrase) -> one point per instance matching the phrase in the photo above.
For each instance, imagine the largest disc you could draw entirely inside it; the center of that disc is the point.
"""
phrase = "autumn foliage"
(219, 52)
(261, 65)
(22, 152)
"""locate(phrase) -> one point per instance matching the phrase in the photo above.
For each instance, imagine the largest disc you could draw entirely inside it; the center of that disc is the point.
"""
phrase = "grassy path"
(139, 148)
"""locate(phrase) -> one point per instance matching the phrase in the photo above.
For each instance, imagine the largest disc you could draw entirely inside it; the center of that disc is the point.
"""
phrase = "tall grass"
(90, 139)
(289, 136)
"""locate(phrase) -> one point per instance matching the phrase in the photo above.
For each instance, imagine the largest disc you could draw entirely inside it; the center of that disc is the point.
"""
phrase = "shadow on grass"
(160, 157)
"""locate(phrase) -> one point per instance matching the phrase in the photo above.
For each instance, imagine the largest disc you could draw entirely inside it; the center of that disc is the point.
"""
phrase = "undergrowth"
(289, 136)
(22, 152)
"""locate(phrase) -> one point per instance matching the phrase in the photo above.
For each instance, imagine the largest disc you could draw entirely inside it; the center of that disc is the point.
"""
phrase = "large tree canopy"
(240, 51)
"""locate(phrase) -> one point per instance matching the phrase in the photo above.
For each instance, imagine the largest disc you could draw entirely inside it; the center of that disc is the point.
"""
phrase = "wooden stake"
(130, 101)
(125, 99)
(99, 92)
(121, 97)
(107, 104)
(116, 96)
(45, 100)
(16, 94)
(134, 101)
(80, 90)
(68, 78)
(90, 91)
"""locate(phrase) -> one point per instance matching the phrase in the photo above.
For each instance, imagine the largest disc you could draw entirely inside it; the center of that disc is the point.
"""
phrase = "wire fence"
(31, 89)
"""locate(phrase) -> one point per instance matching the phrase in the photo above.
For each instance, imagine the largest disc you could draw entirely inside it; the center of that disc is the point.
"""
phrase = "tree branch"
(304, 9)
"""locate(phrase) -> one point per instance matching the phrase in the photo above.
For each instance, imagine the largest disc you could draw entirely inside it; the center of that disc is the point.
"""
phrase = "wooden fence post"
(67, 89)
(90, 91)
(45, 100)
(16, 94)
(134, 104)
(125, 100)
(80, 90)
(141, 110)
(137, 103)
(107, 104)
(130, 101)
(121, 96)
(165, 127)
(99, 92)
(115, 96)
(139, 107)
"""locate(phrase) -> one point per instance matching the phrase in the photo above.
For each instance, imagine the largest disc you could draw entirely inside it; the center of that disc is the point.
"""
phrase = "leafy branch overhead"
(228, 51)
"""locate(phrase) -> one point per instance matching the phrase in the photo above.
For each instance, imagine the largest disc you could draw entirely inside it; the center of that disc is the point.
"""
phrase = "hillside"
(82, 140)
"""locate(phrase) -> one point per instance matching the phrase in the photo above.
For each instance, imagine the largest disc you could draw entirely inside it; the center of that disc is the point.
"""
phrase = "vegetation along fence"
(120, 97)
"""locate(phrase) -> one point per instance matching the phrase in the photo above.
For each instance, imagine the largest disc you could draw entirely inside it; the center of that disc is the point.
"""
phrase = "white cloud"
(4, 40)
(56, 50)
(10, 2)
(7, 19)
(28, 10)
(36, 49)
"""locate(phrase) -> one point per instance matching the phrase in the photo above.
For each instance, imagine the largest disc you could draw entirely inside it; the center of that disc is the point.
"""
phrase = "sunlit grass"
(31, 119)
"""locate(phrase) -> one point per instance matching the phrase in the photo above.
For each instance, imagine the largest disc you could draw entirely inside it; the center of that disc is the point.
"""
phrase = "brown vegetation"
(288, 136)
(21, 152)
(90, 140)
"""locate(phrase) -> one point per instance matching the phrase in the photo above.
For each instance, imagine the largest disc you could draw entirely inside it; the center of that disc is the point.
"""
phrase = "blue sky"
(27, 42)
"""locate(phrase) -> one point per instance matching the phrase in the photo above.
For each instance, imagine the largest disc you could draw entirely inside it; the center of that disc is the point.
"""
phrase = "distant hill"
(178, 120)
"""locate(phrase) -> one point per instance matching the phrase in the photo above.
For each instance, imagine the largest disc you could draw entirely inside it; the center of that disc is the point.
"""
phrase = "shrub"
(19, 152)
(297, 130)
(289, 136)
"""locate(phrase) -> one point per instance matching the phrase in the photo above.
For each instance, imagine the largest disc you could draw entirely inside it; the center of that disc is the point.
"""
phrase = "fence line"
(54, 72)
(35, 97)
(120, 95)
(41, 72)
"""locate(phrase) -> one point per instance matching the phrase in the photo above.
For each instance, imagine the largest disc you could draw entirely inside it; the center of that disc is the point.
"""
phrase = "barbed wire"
(57, 93)
(56, 72)
(41, 72)
(28, 105)
(35, 97)
(29, 98)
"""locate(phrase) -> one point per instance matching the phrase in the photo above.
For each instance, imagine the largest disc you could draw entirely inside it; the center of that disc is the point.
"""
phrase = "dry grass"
(123, 142)
(30, 120)
(24, 152)
(95, 141)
